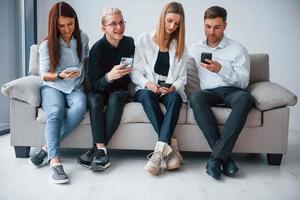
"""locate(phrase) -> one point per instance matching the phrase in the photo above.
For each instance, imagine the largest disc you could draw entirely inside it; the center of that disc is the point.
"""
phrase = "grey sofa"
(266, 129)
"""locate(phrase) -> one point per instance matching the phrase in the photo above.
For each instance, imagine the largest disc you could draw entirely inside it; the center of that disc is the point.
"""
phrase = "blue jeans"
(163, 124)
(59, 121)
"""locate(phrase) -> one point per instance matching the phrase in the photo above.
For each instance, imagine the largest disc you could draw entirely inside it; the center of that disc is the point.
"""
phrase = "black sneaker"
(87, 158)
(38, 157)
(100, 161)
(58, 174)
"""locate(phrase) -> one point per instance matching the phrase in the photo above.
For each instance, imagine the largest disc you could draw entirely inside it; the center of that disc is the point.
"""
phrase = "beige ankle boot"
(158, 158)
(174, 159)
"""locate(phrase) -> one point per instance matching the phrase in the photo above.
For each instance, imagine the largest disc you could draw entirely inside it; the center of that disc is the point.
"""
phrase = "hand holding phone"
(206, 55)
(166, 88)
(126, 62)
(71, 72)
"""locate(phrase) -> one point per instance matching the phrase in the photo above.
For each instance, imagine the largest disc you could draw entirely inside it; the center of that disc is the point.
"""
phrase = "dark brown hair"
(214, 12)
(179, 34)
(65, 10)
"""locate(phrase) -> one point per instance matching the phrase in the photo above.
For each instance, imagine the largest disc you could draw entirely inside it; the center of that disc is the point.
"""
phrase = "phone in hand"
(126, 62)
(206, 55)
(167, 85)
(71, 70)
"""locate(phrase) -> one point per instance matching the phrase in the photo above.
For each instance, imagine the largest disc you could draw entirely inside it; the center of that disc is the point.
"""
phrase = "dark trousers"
(240, 102)
(163, 124)
(105, 114)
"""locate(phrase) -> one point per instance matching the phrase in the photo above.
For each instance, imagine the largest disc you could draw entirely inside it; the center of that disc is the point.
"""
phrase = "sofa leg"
(274, 159)
(22, 152)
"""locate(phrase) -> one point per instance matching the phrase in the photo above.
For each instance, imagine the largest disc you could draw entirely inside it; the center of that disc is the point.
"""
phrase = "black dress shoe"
(229, 167)
(213, 167)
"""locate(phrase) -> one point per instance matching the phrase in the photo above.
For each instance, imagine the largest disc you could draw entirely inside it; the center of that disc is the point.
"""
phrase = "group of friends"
(157, 66)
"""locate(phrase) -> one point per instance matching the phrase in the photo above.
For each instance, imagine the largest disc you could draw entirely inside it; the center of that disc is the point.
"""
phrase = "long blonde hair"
(178, 34)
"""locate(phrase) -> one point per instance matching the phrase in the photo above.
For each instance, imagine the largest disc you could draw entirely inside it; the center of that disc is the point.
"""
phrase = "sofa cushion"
(268, 95)
(222, 113)
(25, 89)
(133, 113)
(192, 77)
(42, 117)
(259, 68)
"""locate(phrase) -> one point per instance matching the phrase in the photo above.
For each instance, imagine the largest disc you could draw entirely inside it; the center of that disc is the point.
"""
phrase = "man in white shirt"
(223, 80)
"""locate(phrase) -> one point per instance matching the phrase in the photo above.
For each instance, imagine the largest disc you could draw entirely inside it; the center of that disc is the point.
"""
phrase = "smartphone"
(167, 85)
(71, 70)
(126, 61)
(206, 55)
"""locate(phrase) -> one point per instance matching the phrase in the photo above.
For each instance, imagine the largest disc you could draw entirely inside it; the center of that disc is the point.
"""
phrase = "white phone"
(126, 61)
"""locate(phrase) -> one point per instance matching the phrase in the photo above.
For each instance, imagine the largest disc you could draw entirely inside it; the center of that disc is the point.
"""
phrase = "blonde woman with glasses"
(160, 76)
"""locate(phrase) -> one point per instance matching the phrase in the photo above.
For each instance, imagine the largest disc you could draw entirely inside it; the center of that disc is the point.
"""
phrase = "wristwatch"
(59, 77)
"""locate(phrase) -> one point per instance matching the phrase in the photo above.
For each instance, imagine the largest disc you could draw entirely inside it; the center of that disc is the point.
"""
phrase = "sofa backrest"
(259, 71)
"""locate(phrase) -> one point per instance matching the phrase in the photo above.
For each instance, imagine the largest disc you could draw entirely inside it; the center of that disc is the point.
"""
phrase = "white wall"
(263, 26)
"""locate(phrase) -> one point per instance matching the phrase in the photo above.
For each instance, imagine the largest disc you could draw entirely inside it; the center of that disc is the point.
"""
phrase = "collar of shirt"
(109, 45)
(222, 44)
(73, 42)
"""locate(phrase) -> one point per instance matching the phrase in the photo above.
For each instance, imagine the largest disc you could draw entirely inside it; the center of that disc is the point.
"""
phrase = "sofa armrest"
(268, 95)
(25, 89)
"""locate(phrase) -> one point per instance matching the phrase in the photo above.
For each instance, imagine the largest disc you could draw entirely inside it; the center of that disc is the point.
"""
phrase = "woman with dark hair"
(62, 56)
(160, 76)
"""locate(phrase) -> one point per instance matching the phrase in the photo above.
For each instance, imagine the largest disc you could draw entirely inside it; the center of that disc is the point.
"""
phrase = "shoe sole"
(98, 167)
(84, 165)
(212, 175)
(59, 181)
(152, 171)
(174, 167)
(37, 166)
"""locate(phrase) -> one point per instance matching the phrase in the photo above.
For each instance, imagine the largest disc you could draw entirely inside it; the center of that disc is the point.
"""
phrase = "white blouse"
(145, 56)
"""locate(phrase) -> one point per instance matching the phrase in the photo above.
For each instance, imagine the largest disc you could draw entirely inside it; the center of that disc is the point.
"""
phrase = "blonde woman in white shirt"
(160, 76)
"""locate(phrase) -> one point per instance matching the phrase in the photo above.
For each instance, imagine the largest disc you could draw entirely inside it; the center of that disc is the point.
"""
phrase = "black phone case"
(168, 85)
(204, 56)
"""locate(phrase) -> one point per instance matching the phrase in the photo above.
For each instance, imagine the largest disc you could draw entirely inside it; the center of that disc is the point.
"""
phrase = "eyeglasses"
(115, 24)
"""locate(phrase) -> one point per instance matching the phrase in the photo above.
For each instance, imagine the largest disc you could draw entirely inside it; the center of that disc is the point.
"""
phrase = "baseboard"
(4, 129)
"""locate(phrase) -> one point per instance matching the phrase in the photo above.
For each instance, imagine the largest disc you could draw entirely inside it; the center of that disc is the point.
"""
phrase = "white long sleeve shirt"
(145, 56)
(234, 60)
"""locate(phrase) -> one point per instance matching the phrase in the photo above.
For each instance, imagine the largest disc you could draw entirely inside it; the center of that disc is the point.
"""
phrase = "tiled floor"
(126, 179)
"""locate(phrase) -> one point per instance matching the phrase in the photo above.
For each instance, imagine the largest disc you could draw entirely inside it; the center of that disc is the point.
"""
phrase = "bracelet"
(59, 77)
